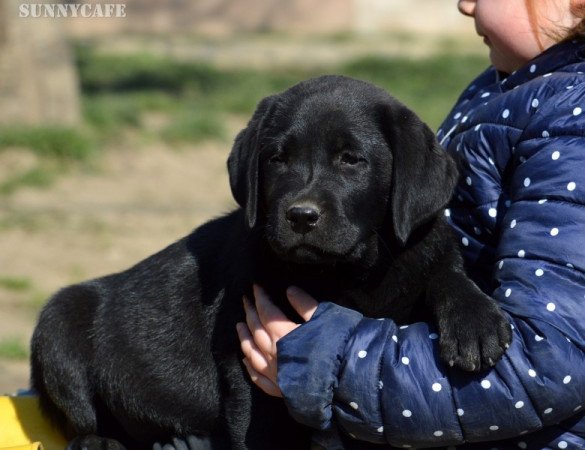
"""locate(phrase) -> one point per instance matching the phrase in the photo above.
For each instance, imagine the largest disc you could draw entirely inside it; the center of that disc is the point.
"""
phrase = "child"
(519, 130)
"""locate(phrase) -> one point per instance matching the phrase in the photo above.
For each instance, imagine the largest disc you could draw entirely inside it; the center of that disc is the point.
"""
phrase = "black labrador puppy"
(342, 190)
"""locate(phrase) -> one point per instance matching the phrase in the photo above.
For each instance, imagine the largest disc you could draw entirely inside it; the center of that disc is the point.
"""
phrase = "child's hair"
(577, 32)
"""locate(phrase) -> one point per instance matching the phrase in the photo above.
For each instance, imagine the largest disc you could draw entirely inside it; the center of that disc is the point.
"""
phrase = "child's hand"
(265, 325)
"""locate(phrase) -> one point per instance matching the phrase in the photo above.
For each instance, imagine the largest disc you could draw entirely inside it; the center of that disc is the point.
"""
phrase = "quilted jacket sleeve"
(385, 384)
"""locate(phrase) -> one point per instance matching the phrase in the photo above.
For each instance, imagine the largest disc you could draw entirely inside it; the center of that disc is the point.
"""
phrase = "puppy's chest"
(402, 303)
(386, 293)
(396, 304)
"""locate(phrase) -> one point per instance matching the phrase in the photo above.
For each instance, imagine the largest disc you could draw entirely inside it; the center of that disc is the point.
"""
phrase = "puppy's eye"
(349, 159)
(279, 158)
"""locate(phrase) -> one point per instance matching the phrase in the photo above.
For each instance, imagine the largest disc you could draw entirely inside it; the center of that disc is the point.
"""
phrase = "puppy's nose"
(302, 219)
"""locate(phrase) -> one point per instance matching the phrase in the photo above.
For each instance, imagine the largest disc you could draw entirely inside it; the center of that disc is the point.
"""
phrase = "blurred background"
(114, 132)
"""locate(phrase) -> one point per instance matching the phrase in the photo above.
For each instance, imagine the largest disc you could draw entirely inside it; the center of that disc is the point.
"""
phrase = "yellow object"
(35, 446)
(23, 427)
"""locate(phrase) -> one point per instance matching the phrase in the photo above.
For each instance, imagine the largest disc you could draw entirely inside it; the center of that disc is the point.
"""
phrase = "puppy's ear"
(423, 174)
(243, 161)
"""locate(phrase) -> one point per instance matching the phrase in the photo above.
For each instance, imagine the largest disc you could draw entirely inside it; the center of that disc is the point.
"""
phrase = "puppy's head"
(332, 165)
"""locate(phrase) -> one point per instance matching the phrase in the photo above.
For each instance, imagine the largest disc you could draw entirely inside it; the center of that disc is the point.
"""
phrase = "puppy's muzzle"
(303, 218)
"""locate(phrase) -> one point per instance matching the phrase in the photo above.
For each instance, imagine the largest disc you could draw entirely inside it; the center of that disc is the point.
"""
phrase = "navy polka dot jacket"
(520, 212)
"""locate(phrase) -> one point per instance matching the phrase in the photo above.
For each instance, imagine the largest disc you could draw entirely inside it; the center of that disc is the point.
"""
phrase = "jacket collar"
(552, 59)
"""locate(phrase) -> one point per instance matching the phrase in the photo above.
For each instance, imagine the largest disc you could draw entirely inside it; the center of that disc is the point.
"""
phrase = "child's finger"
(303, 303)
(262, 382)
(251, 351)
(256, 328)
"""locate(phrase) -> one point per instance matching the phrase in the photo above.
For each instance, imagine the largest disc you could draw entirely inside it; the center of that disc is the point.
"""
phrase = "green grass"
(56, 149)
(195, 99)
(48, 142)
(118, 88)
(18, 284)
(13, 348)
(193, 126)
(38, 177)
(109, 113)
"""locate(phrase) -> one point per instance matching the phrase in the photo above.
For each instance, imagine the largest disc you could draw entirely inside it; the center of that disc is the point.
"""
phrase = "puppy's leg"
(473, 331)
(257, 421)
(238, 404)
(61, 352)
(61, 358)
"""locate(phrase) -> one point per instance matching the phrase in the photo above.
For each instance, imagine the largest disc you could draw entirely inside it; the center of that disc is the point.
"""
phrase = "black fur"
(341, 190)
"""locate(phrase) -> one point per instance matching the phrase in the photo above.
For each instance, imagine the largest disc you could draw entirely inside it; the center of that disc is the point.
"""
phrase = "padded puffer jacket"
(520, 212)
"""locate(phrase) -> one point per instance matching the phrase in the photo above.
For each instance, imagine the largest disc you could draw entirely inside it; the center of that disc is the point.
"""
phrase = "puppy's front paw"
(474, 334)
(93, 442)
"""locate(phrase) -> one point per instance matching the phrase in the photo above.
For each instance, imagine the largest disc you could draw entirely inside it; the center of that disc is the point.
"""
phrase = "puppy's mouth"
(310, 254)
(305, 253)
